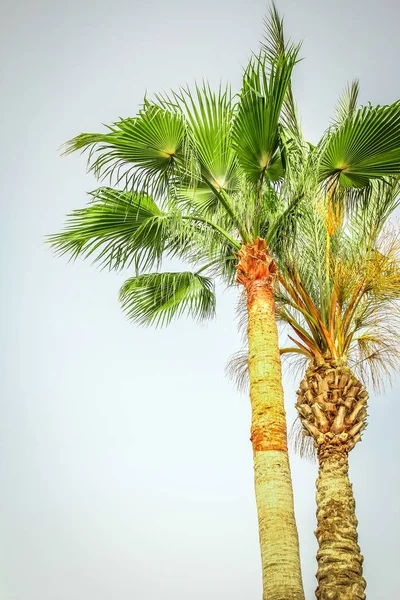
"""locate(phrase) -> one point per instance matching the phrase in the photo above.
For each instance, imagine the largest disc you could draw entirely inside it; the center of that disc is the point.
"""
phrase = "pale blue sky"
(125, 461)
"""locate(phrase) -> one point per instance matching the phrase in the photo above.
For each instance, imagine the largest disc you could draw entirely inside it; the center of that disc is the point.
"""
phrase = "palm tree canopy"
(339, 286)
(197, 174)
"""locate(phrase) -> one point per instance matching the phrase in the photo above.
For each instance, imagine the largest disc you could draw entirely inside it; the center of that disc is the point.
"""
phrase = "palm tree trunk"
(279, 542)
(332, 406)
(273, 487)
(339, 558)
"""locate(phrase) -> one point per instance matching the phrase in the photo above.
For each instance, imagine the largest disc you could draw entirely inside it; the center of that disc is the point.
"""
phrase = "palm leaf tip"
(80, 142)
(347, 102)
(273, 42)
(157, 298)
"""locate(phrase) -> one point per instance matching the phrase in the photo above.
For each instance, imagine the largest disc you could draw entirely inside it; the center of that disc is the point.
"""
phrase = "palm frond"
(275, 45)
(209, 115)
(145, 151)
(364, 147)
(283, 227)
(156, 298)
(116, 229)
(375, 353)
(369, 215)
(256, 131)
(119, 229)
(347, 103)
(340, 286)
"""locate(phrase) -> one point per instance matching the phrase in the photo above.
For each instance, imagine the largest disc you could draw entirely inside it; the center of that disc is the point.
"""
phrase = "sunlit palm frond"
(209, 119)
(256, 131)
(364, 147)
(157, 298)
(210, 116)
(340, 293)
(198, 200)
(121, 229)
(370, 215)
(144, 151)
(283, 226)
(375, 352)
(116, 229)
(274, 45)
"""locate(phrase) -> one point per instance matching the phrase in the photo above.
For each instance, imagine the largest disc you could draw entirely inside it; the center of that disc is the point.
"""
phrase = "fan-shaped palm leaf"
(118, 228)
(364, 147)
(145, 150)
(256, 130)
(121, 228)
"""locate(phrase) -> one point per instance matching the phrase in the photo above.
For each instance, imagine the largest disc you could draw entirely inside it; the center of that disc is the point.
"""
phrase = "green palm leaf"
(365, 147)
(274, 45)
(256, 130)
(156, 298)
(210, 115)
(117, 229)
(211, 160)
(145, 150)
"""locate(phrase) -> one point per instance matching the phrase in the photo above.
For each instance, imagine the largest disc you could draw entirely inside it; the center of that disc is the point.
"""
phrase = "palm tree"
(339, 292)
(222, 183)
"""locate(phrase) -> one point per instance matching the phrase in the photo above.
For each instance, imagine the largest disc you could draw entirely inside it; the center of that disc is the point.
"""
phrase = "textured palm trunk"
(279, 543)
(339, 558)
(332, 407)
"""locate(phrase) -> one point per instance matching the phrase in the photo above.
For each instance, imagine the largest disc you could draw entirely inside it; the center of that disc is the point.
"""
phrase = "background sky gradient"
(125, 461)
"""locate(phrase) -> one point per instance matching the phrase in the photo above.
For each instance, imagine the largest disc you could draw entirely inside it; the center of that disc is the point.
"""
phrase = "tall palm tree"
(221, 183)
(340, 293)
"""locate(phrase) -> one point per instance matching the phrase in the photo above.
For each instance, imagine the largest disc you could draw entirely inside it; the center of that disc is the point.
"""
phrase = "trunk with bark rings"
(279, 542)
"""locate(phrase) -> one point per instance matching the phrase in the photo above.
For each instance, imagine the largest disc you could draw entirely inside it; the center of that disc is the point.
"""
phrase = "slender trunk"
(279, 542)
(339, 558)
(273, 487)
(332, 406)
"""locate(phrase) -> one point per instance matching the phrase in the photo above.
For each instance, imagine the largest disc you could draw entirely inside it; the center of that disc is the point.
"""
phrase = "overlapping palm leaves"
(189, 191)
(340, 288)
(196, 174)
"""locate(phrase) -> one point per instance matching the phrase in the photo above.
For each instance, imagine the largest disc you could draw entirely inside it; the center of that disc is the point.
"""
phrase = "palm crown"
(206, 172)
(340, 285)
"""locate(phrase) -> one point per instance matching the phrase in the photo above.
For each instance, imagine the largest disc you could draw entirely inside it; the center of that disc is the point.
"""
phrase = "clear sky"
(125, 461)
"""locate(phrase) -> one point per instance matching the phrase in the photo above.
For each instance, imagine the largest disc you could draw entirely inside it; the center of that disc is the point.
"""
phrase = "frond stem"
(210, 264)
(226, 235)
(230, 211)
(292, 350)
